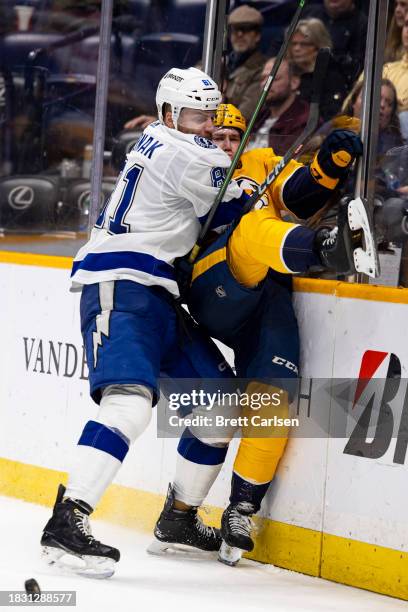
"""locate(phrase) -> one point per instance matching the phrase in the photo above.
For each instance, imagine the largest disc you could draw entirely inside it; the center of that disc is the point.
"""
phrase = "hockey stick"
(196, 248)
(322, 62)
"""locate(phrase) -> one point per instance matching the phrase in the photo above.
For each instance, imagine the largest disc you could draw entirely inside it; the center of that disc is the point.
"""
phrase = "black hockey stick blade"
(320, 71)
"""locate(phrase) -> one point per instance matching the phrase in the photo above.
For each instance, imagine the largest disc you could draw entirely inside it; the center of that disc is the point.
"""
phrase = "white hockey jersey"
(169, 182)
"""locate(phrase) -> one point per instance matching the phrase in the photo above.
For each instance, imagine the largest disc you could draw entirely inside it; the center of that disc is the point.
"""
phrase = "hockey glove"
(335, 157)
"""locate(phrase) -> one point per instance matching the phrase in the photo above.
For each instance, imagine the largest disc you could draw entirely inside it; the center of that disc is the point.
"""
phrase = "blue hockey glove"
(335, 157)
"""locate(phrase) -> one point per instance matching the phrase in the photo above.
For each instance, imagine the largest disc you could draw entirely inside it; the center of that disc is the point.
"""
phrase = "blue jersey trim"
(298, 251)
(244, 491)
(97, 262)
(227, 212)
(104, 439)
(192, 449)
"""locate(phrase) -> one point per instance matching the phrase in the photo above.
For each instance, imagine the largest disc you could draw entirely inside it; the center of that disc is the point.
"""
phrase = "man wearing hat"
(245, 62)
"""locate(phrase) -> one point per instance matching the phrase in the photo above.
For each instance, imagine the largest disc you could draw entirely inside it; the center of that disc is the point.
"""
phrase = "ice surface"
(149, 584)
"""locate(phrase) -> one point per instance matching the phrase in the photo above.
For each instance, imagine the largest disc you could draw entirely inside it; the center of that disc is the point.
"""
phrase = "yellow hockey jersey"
(254, 166)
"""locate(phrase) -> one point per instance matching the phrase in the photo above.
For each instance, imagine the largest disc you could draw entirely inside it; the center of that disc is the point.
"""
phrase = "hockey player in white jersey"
(128, 312)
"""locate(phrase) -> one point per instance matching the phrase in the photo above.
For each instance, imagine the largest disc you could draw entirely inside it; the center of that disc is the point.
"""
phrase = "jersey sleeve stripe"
(207, 262)
(97, 262)
(297, 252)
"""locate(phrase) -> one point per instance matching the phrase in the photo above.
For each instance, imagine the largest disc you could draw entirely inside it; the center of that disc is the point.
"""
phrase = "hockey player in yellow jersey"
(241, 295)
(260, 239)
(254, 164)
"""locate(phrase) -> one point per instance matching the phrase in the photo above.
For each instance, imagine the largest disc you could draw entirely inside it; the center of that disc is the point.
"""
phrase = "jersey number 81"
(116, 223)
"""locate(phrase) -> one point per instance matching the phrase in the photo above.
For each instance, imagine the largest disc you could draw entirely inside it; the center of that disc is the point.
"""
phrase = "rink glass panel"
(47, 112)
(49, 53)
(157, 36)
(48, 67)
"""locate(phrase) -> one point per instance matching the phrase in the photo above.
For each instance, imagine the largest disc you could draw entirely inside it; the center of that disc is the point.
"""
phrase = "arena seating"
(44, 202)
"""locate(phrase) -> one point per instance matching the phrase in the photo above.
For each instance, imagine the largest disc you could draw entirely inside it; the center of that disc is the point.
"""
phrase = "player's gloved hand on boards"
(335, 157)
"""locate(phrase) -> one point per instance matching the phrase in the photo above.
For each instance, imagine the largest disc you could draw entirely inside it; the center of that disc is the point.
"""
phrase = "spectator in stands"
(347, 27)
(245, 62)
(393, 47)
(310, 36)
(244, 65)
(389, 134)
(397, 72)
(284, 114)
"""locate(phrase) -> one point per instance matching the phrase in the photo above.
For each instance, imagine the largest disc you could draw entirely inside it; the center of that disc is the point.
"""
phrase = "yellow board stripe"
(314, 285)
(396, 295)
(34, 259)
(368, 566)
(208, 262)
(288, 546)
(376, 293)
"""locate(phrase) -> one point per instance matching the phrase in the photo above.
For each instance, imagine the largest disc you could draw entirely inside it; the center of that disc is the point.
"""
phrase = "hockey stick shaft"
(277, 63)
(322, 62)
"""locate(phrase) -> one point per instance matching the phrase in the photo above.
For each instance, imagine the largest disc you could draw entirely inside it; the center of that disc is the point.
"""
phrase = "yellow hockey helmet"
(228, 115)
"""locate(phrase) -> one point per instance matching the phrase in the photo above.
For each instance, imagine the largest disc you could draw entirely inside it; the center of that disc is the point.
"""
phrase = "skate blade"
(162, 549)
(365, 259)
(80, 565)
(229, 554)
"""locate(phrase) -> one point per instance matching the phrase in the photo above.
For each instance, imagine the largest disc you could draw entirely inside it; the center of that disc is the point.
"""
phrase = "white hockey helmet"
(186, 88)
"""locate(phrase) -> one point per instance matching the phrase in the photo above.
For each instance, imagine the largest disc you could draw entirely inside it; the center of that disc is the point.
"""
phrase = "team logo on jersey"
(204, 142)
(220, 291)
(248, 184)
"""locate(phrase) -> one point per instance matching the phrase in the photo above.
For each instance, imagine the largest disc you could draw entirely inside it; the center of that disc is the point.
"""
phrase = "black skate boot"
(68, 543)
(336, 245)
(182, 527)
(236, 525)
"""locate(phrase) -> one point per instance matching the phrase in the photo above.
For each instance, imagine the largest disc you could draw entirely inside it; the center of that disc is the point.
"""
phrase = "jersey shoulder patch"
(204, 142)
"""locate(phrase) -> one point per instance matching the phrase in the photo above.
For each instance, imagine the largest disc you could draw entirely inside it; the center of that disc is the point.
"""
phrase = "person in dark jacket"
(347, 26)
(245, 62)
(284, 114)
(309, 37)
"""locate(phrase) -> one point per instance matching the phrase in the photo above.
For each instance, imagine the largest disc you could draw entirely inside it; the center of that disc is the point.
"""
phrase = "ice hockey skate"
(236, 526)
(68, 543)
(179, 531)
(365, 256)
(337, 245)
